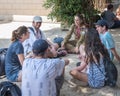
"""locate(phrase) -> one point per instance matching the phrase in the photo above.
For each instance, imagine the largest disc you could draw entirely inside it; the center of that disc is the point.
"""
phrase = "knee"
(73, 72)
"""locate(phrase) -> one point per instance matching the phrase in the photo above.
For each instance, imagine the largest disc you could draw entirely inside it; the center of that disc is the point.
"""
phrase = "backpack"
(111, 73)
(34, 32)
(3, 52)
(9, 89)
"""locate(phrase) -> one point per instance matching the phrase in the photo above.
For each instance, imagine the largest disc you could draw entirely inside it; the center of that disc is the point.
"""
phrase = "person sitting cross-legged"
(15, 54)
(46, 73)
(107, 39)
(92, 63)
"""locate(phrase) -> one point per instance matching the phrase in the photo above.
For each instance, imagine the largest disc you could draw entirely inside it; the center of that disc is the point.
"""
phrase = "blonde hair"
(16, 34)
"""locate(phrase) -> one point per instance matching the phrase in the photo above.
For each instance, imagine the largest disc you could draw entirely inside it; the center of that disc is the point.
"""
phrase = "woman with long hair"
(77, 29)
(15, 54)
(92, 69)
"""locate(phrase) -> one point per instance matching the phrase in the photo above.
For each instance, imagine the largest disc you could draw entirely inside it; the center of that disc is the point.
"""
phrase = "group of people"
(113, 20)
(32, 58)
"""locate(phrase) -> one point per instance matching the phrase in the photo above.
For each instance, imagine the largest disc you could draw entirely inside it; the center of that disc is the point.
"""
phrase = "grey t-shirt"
(12, 63)
(109, 17)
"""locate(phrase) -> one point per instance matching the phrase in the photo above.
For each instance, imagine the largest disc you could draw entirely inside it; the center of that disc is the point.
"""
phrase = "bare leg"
(79, 75)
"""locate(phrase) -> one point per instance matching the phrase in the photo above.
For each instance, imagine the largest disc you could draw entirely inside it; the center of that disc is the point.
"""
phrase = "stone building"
(11, 10)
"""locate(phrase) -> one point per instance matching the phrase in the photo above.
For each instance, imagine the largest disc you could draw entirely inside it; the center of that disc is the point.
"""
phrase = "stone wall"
(8, 8)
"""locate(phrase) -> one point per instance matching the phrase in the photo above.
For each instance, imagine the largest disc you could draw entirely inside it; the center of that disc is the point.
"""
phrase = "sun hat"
(39, 46)
(37, 19)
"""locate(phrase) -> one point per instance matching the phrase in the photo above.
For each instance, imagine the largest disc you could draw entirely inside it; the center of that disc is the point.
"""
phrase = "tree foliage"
(64, 10)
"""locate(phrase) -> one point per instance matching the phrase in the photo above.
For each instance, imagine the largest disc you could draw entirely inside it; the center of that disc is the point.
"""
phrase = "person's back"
(43, 71)
(109, 17)
(92, 61)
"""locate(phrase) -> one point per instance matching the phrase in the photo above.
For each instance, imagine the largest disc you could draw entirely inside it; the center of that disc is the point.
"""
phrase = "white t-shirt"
(38, 76)
(27, 44)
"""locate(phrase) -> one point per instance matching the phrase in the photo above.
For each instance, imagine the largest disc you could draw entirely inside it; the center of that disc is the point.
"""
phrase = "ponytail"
(16, 34)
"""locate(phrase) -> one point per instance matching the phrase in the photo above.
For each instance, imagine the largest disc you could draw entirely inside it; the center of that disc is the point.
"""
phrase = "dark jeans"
(116, 25)
(59, 80)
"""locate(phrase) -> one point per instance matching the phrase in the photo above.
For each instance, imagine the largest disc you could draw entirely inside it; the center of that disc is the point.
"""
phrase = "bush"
(64, 10)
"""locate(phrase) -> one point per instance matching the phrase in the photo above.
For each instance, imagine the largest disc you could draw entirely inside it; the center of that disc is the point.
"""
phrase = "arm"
(68, 35)
(82, 66)
(66, 61)
(80, 41)
(115, 54)
(21, 58)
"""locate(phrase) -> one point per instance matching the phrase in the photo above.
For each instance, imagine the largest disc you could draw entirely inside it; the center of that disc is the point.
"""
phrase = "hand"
(66, 61)
(53, 51)
(62, 45)
(76, 49)
(29, 55)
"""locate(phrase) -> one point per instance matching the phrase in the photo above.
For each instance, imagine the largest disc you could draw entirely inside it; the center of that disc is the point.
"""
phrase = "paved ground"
(52, 30)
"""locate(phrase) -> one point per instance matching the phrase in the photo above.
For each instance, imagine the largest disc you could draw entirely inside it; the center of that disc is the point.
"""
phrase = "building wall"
(8, 8)
(22, 7)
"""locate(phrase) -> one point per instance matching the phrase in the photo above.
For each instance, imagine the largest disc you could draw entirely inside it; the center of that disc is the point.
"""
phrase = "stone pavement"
(52, 30)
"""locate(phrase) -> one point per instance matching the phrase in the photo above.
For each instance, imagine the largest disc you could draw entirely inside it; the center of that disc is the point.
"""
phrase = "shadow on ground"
(68, 89)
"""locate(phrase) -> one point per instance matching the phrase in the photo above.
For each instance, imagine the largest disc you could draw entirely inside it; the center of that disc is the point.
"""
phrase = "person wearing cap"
(106, 38)
(43, 71)
(110, 17)
(35, 33)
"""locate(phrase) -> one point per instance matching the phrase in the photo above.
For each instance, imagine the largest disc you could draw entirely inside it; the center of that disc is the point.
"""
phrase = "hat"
(58, 40)
(37, 19)
(39, 46)
(101, 23)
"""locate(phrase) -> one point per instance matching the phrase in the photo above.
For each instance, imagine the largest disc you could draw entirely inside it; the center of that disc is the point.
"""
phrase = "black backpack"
(111, 73)
(3, 52)
(9, 89)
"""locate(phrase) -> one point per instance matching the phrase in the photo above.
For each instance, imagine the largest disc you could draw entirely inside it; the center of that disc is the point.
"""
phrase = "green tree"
(64, 10)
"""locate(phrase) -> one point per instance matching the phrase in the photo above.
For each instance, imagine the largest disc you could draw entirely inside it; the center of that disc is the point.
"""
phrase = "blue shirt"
(12, 63)
(108, 42)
